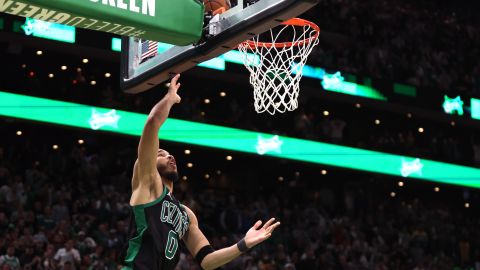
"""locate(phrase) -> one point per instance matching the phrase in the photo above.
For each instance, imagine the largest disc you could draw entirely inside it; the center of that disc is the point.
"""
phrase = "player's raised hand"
(258, 234)
(173, 88)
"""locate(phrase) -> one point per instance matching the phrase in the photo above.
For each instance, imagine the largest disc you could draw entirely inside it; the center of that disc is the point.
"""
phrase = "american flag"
(149, 49)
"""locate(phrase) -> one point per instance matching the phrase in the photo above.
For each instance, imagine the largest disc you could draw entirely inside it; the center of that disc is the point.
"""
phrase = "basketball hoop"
(276, 66)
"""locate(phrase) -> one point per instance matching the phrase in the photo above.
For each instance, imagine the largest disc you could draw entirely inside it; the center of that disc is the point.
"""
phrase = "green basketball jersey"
(155, 231)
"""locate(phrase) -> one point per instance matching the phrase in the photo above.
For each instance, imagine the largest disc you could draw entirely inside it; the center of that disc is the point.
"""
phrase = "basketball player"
(159, 221)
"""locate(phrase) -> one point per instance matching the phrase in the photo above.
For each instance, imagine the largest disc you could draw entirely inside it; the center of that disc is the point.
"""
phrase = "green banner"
(176, 22)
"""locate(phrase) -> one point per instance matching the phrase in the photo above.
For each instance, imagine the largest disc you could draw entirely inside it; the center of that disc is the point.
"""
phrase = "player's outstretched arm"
(199, 246)
(148, 146)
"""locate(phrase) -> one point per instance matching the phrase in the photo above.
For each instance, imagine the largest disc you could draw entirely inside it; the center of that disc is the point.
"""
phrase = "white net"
(276, 67)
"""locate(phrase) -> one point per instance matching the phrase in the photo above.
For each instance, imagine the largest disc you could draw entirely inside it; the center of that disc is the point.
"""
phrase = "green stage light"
(475, 108)
(117, 121)
(214, 63)
(336, 83)
(453, 105)
(116, 44)
(48, 30)
(406, 90)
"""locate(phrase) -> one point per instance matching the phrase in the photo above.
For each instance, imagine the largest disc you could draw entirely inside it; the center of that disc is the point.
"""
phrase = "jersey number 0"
(172, 245)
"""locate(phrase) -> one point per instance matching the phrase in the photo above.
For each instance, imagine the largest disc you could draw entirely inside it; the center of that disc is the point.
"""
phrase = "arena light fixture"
(336, 83)
(231, 139)
(453, 105)
(116, 44)
(48, 30)
(475, 108)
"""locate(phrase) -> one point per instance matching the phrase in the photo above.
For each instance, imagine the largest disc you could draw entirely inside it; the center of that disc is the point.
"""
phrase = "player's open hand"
(173, 88)
(258, 234)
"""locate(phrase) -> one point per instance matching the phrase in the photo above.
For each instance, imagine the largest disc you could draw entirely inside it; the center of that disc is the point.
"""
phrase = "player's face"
(166, 165)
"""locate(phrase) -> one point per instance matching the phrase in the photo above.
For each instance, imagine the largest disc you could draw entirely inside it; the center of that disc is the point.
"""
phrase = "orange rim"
(293, 22)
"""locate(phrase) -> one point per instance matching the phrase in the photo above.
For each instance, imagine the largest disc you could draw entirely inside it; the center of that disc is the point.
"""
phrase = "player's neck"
(169, 184)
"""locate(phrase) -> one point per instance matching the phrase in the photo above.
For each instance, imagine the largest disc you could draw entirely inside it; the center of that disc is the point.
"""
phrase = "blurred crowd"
(68, 209)
(433, 44)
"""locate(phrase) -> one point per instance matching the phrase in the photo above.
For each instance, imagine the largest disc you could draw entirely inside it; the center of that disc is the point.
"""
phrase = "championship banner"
(176, 22)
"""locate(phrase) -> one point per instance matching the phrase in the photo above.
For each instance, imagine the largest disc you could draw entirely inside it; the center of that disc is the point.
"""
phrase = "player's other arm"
(148, 146)
(199, 246)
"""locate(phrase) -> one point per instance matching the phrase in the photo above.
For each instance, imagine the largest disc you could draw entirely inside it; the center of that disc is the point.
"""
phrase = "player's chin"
(171, 176)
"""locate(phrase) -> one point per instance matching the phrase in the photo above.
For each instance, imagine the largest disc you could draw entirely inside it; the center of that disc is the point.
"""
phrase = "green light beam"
(129, 123)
